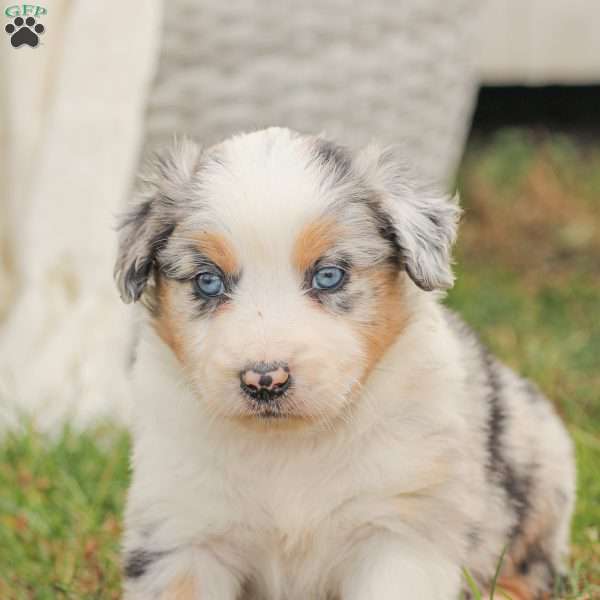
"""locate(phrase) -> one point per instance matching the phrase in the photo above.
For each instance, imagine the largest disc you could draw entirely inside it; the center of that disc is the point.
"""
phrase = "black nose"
(264, 381)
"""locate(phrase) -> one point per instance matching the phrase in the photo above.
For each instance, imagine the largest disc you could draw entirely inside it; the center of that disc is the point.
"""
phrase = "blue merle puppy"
(310, 422)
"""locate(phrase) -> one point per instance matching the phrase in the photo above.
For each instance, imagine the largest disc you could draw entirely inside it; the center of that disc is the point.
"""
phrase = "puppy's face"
(279, 267)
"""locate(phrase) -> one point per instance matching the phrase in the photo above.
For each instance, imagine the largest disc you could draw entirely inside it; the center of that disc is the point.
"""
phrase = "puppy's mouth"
(271, 414)
(279, 411)
(273, 410)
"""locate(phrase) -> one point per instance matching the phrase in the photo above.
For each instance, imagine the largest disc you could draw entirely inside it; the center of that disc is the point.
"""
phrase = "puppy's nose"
(265, 381)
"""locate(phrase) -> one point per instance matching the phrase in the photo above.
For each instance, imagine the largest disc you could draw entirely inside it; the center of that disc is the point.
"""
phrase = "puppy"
(309, 421)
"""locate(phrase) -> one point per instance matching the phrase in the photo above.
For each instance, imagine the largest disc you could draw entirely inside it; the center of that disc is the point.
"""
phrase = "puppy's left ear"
(423, 219)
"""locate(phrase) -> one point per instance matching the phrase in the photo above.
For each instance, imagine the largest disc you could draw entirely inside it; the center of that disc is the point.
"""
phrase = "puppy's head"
(275, 266)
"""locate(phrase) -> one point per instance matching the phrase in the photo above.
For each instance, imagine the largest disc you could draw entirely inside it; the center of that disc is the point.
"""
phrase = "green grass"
(60, 509)
(528, 265)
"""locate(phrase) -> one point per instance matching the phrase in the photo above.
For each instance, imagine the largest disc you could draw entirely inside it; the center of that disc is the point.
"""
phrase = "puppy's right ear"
(146, 226)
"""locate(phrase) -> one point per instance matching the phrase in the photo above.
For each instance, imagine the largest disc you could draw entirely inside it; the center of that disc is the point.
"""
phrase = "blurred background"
(499, 98)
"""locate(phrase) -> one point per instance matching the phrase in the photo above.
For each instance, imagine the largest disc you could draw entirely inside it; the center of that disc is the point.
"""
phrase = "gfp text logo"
(24, 29)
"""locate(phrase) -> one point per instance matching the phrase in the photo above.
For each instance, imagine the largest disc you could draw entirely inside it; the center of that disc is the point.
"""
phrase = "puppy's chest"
(286, 516)
(291, 551)
(282, 525)
(289, 532)
(286, 563)
(287, 508)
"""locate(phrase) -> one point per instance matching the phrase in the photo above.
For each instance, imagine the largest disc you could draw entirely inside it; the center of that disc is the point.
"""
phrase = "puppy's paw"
(185, 574)
(388, 568)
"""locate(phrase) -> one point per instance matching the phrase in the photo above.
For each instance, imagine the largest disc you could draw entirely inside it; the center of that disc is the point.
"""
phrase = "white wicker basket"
(399, 71)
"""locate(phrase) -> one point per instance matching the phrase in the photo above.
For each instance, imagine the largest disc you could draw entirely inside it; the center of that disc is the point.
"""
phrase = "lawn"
(528, 264)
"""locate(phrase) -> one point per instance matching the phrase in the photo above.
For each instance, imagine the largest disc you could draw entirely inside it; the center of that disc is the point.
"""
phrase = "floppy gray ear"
(146, 226)
(424, 219)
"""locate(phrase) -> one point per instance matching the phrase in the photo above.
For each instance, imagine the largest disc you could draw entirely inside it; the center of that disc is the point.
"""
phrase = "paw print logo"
(24, 31)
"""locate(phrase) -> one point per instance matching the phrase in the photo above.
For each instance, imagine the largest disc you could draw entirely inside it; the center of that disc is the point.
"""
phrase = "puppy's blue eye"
(328, 278)
(210, 285)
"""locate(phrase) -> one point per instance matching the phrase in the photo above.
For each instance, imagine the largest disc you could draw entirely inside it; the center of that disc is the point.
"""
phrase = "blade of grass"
(497, 573)
(472, 585)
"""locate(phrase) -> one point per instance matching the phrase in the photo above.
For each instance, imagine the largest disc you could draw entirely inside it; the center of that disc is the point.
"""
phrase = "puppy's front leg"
(386, 567)
(189, 574)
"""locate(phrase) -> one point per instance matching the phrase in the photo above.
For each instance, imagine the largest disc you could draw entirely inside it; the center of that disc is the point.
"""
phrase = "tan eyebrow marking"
(218, 250)
(313, 242)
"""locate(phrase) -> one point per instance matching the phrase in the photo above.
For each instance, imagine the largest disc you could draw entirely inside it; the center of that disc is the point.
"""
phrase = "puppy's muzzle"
(264, 382)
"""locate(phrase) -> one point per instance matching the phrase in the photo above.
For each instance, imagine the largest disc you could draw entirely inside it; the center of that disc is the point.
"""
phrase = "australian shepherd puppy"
(310, 423)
